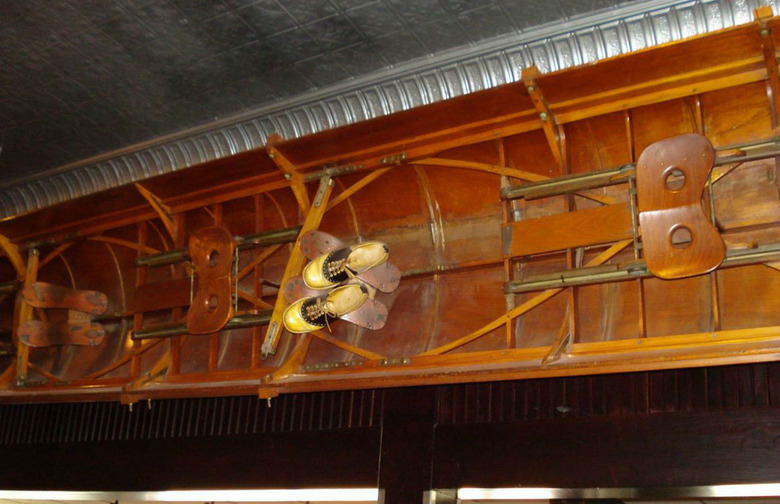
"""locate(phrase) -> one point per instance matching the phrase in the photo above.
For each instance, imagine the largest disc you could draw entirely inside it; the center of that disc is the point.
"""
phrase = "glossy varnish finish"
(428, 182)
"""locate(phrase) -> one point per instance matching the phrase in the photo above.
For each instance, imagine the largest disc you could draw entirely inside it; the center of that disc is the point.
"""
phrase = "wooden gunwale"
(643, 354)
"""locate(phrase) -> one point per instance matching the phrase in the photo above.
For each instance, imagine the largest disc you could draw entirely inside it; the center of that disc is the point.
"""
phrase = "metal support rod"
(263, 239)
(168, 330)
(629, 270)
(7, 350)
(568, 183)
(267, 238)
(738, 153)
(634, 214)
(9, 287)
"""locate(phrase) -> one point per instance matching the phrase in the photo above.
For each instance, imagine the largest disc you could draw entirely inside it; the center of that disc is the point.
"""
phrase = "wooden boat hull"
(428, 183)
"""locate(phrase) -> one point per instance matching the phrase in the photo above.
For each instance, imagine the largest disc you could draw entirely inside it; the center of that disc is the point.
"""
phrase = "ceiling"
(84, 77)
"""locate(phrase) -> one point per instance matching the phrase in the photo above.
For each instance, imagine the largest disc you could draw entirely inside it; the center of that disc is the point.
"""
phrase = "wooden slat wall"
(675, 391)
(684, 390)
(186, 418)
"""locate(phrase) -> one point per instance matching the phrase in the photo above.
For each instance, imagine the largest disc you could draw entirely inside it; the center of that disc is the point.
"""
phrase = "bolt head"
(543, 116)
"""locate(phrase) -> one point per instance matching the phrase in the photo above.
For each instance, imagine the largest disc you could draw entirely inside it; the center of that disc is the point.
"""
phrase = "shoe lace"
(337, 267)
(319, 309)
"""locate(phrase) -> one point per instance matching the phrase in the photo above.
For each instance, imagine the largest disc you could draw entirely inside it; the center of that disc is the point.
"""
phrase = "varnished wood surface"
(648, 451)
(568, 230)
(211, 250)
(455, 242)
(671, 177)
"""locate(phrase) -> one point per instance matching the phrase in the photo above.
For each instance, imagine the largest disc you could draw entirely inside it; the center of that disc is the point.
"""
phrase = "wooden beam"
(360, 184)
(291, 173)
(546, 116)
(123, 243)
(268, 252)
(295, 263)
(568, 230)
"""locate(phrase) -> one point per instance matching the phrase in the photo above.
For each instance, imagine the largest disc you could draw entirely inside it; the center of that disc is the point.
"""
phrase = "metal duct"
(416, 83)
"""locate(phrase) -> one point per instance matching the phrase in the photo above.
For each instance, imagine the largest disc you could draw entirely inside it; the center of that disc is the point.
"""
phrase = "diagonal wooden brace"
(297, 182)
(545, 115)
(295, 264)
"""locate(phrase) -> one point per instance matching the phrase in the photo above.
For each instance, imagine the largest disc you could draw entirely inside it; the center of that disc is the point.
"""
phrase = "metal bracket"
(394, 159)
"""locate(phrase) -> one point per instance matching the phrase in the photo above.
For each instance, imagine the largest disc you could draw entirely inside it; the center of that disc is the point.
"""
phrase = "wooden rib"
(563, 335)
(54, 254)
(360, 184)
(509, 172)
(525, 307)
(179, 241)
(143, 347)
(295, 264)
(254, 300)
(346, 346)
(12, 251)
(163, 210)
(485, 167)
(7, 376)
(257, 278)
(290, 170)
(506, 211)
(49, 377)
(140, 279)
(258, 260)
(25, 314)
(124, 243)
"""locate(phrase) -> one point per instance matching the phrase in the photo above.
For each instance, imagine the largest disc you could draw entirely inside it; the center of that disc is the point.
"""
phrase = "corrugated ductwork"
(448, 74)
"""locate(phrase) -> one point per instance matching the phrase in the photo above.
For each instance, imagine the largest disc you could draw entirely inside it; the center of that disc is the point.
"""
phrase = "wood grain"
(568, 230)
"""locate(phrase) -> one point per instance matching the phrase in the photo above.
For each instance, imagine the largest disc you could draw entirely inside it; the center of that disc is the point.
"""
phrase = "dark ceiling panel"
(83, 77)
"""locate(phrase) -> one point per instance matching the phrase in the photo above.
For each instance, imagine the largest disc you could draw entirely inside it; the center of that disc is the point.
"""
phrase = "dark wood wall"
(666, 428)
